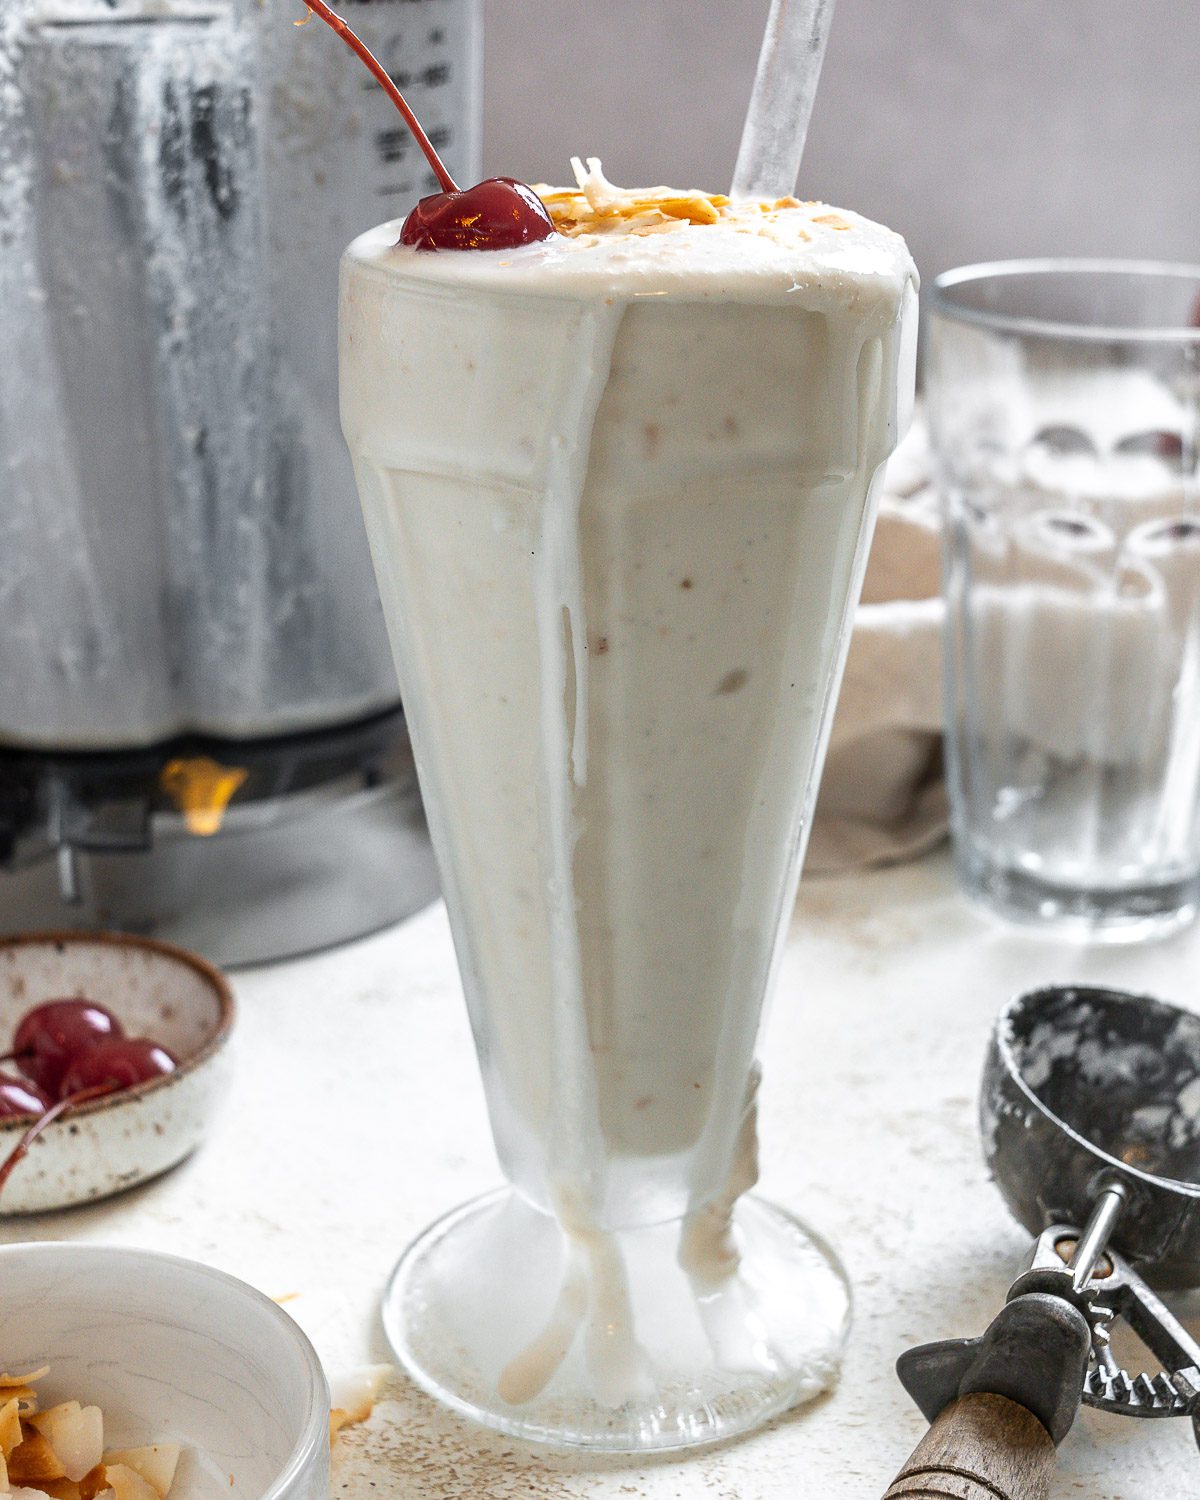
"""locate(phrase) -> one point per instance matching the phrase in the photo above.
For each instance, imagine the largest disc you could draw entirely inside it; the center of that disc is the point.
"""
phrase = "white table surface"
(357, 1117)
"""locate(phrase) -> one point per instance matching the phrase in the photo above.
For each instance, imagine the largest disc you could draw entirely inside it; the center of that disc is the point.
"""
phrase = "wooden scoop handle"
(981, 1447)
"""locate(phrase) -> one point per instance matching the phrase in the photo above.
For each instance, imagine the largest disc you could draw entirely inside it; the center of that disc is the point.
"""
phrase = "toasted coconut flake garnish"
(835, 221)
(603, 196)
(597, 205)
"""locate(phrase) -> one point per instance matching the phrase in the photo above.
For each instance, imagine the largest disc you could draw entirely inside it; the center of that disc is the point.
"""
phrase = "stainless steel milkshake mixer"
(199, 728)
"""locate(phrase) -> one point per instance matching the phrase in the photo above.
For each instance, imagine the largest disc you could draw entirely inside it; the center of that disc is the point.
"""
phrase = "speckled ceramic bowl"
(154, 990)
(173, 1352)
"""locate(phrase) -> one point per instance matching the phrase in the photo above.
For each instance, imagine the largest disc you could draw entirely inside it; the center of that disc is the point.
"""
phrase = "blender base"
(470, 1297)
(323, 841)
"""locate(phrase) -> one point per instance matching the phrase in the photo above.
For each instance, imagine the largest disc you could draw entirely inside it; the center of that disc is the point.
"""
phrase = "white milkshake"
(619, 487)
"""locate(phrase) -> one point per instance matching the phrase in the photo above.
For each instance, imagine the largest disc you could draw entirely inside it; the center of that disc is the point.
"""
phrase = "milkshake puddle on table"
(619, 490)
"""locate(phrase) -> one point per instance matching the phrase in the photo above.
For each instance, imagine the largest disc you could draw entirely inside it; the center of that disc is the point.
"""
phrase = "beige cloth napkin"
(883, 796)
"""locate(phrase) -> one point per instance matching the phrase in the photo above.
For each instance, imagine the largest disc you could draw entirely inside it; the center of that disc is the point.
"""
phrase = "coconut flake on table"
(353, 1395)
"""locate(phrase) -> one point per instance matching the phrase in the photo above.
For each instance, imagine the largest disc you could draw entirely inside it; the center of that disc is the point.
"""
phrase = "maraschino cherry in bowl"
(134, 1033)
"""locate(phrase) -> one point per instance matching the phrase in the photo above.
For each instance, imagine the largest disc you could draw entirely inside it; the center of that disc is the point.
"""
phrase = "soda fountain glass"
(619, 540)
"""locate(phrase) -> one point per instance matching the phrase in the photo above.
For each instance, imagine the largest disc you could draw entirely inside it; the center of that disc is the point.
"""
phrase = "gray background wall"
(978, 128)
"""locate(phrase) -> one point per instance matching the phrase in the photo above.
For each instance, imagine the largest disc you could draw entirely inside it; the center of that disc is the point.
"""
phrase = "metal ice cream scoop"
(1090, 1114)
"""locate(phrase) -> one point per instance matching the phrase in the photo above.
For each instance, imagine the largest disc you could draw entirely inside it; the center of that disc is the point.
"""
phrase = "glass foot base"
(605, 1341)
(1132, 915)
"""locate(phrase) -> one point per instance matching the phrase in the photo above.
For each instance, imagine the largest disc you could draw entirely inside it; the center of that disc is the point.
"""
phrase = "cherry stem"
(319, 8)
(80, 1096)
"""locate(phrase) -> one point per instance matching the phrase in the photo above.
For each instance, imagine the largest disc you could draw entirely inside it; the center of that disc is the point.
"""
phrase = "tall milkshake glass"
(618, 487)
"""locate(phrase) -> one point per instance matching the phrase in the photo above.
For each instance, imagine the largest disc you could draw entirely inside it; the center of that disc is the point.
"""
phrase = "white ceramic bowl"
(173, 1351)
(154, 990)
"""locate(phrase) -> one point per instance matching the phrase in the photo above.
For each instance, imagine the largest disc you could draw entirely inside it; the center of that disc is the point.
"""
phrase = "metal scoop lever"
(1115, 1290)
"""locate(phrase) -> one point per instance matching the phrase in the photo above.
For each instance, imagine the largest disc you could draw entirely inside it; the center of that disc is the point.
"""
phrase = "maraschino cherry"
(71, 1051)
(496, 214)
(121, 1063)
(53, 1034)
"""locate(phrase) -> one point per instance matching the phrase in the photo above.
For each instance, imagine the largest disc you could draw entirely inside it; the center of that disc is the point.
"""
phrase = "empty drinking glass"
(1064, 400)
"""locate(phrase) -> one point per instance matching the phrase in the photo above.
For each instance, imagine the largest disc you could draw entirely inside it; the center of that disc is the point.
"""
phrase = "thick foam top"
(665, 242)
